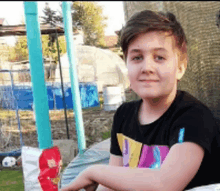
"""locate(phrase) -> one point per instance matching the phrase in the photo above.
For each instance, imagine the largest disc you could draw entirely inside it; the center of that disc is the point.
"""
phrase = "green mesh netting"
(198, 19)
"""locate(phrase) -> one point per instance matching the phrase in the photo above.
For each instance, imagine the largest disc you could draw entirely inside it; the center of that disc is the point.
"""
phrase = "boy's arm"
(113, 161)
(178, 169)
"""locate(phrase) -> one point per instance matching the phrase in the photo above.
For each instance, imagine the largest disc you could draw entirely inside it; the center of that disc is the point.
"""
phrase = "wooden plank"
(20, 30)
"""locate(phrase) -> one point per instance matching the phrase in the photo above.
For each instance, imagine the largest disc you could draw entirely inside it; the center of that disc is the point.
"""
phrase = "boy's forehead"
(157, 40)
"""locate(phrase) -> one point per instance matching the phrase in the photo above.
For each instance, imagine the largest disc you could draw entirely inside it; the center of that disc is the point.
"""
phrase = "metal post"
(67, 18)
(16, 108)
(61, 78)
(37, 75)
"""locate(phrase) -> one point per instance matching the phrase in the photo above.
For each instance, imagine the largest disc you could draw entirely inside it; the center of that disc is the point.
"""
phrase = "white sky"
(13, 12)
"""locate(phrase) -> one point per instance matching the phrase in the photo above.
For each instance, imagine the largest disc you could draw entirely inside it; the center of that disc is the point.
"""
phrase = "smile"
(148, 81)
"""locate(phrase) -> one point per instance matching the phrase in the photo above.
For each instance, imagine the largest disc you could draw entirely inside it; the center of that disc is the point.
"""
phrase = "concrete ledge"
(68, 149)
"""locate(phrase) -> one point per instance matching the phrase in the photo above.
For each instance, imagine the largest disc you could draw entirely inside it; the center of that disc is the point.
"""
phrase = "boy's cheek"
(130, 75)
(129, 67)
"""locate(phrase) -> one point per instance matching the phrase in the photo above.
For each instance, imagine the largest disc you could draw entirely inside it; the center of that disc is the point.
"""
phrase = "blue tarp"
(14, 153)
(22, 96)
(97, 154)
(82, 162)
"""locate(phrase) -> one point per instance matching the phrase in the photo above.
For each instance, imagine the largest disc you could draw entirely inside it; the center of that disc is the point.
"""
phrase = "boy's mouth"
(145, 80)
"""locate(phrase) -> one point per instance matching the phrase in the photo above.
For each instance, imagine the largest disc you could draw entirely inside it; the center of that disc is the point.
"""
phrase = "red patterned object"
(50, 165)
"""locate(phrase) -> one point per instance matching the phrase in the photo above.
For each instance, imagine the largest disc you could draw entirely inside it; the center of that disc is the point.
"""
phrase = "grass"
(4, 114)
(106, 135)
(11, 180)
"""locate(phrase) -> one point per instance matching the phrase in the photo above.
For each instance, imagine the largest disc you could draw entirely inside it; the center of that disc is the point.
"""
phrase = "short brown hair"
(148, 21)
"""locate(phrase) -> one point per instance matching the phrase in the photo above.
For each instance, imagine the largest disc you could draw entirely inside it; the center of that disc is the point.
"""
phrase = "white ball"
(8, 162)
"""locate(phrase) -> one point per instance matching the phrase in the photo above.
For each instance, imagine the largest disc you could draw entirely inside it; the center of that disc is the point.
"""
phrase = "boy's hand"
(82, 181)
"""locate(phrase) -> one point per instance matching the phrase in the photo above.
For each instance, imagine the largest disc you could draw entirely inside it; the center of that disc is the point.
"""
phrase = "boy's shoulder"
(186, 99)
(190, 105)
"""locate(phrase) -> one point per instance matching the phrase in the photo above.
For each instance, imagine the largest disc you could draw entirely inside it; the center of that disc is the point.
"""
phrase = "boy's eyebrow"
(160, 49)
(154, 49)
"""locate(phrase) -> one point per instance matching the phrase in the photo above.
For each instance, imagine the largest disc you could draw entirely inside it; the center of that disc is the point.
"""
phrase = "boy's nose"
(147, 67)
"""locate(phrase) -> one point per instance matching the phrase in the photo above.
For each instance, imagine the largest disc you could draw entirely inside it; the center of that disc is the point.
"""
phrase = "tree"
(87, 16)
(19, 52)
(51, 16)
(49, 48)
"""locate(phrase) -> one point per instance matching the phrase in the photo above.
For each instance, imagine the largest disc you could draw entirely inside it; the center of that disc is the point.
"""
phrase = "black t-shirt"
(146, 146)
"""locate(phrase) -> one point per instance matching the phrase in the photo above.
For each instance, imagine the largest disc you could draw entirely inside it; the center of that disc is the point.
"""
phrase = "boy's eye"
(137, 58)
(159, 58)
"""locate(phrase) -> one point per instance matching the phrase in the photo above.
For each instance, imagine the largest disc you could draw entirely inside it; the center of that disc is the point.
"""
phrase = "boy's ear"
(181, 69)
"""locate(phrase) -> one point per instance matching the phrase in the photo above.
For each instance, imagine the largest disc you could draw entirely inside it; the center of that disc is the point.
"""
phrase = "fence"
(17, 121)
(95, 68)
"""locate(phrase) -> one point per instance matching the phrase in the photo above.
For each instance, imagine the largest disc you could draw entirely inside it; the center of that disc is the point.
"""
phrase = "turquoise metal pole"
(37, 75)
(67, 18)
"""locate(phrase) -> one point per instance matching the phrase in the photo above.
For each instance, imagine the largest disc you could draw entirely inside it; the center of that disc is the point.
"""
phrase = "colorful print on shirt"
(136, 154)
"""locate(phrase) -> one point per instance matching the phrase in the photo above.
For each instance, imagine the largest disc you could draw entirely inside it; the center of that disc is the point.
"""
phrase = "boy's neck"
(153, 109)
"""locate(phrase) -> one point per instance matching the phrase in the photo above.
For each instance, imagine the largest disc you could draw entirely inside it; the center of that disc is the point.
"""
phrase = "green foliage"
(51, 16)
(50, 50)
(19, 52)
(49, 43)
(101, 99)
(106, 135)
(88, 17)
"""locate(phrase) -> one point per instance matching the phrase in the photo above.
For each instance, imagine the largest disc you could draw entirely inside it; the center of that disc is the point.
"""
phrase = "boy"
(168, 139)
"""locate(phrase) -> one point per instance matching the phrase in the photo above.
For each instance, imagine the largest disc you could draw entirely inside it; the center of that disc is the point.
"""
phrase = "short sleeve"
(194, 124)
(117, 122)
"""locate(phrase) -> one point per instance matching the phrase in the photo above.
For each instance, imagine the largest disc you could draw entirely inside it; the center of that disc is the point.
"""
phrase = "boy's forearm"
(102, 188)
(124, 178)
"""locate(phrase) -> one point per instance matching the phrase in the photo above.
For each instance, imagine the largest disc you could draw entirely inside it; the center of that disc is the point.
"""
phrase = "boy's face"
(153, 67)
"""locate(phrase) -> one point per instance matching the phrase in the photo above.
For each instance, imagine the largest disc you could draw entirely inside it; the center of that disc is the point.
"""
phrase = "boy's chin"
(149, 95)
(152, 95)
